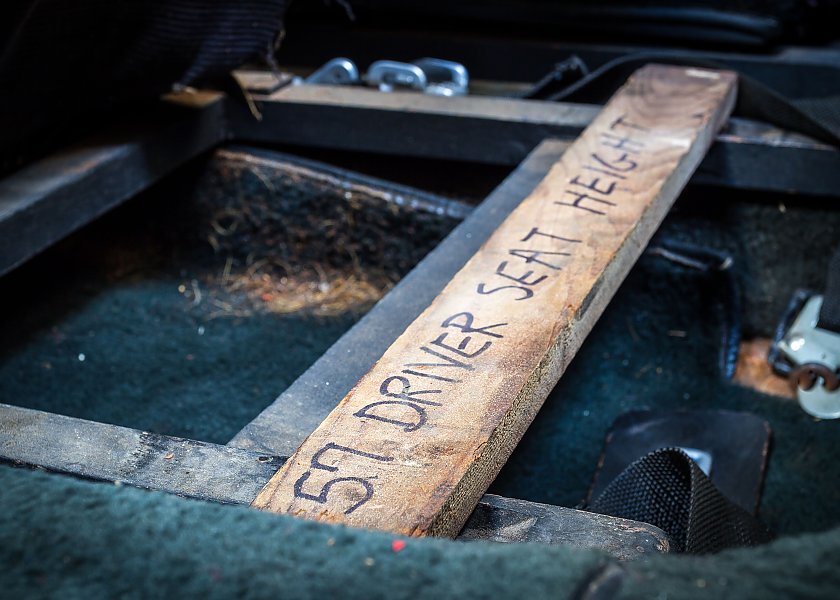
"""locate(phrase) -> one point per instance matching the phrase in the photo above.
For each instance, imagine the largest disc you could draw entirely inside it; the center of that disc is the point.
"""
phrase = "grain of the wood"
(288, 421)
(106, 452)
(505, 520)
(502, 131)
(413, 446)
(567, 114)
(215, 473)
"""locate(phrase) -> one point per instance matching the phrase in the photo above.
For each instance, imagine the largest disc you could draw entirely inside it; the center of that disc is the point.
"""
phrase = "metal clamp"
(446, 77)
(388, 75)
(428, 75)
(810, 357)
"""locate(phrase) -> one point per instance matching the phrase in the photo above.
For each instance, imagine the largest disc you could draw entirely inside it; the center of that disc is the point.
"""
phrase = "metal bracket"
(338, 71)
(813, 358)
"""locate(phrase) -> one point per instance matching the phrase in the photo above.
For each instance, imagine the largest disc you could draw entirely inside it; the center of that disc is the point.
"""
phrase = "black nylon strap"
(830, 311)
(818, 118)
(667, 489)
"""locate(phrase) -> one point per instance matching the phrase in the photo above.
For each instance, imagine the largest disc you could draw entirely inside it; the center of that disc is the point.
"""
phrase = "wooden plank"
(502, 131)
(139, 458)
(288, 421)
(509, 521)
(571, 116)
(50, 199)
(492, 130)
(413, 446)
(205, 471)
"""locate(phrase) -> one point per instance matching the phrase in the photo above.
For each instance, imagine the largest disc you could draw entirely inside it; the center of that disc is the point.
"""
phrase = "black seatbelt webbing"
(830, 310)
(668, 489)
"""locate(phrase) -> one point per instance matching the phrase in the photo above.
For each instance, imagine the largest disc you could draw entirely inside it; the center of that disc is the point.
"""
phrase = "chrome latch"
(445, 77)
(389, 75)
(433, 76)
(810, 357)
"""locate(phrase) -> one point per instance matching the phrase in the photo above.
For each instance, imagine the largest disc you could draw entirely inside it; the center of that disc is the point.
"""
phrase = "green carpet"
(69, 539)
(167, 314)
(132, 356)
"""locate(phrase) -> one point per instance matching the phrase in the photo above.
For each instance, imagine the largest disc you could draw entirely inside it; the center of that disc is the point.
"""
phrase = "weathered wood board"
(415, 444)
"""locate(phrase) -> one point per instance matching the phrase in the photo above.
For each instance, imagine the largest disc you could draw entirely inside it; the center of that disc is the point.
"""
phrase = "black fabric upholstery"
(62, 63)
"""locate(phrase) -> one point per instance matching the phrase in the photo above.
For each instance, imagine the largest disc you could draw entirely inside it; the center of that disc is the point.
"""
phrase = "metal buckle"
(809, 356)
